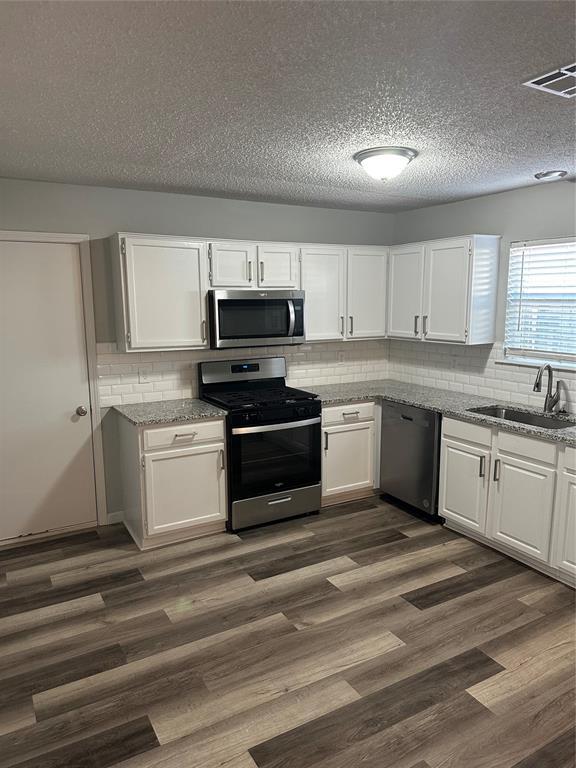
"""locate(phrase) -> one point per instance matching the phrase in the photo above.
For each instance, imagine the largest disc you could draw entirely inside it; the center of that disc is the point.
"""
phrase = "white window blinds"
(541, 306)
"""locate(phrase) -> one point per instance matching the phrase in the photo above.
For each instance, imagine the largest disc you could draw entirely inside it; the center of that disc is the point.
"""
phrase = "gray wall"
(532, 213)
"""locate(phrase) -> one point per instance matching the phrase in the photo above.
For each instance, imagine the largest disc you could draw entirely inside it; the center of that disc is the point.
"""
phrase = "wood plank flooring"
(358, 638)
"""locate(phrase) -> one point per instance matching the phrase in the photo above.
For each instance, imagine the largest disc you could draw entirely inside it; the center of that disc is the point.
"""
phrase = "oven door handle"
(292, 313)
(275, 427)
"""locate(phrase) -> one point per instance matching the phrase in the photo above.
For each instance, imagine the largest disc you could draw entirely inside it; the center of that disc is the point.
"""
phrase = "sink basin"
(522, 417)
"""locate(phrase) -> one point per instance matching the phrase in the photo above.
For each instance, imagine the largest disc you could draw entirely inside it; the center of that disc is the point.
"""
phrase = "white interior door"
(367, 271)
(405, 293)
(446, 281)
(166, 293)
(46, 456)
(323, 271)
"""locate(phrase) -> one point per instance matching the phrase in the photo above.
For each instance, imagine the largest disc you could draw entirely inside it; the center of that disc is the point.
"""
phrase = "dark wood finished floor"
(361, 637)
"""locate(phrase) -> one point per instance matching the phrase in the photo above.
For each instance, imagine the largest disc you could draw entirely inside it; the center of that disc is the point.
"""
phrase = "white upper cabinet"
(366, 293)
(160, 293)
(445, 290)
(232, 265)
(278, 266)
(323, 276)
(405, 292)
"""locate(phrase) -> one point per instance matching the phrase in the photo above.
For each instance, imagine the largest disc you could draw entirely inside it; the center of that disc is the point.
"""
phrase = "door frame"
(87, 299)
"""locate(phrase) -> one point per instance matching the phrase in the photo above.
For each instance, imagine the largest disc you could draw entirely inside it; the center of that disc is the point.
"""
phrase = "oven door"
(275, 457)
(251, 318)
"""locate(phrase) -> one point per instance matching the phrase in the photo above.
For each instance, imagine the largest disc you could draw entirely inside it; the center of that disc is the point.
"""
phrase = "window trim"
(526, 357)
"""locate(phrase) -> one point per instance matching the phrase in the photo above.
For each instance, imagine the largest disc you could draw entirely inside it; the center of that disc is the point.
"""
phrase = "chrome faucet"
(551, 400)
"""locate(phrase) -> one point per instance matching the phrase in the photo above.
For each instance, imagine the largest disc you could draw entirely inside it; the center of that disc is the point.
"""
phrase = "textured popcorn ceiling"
(269, 100)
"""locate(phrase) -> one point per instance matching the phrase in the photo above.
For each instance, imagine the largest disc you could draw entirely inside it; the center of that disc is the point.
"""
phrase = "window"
(541, 304)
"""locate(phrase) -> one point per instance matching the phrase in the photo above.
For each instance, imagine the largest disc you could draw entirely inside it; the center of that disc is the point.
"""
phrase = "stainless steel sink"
(522, 417)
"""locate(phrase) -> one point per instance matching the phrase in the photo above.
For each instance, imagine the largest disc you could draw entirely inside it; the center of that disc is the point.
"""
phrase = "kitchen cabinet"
(232, 265)
(514, 492)
(464, 473)
(323, 272)
(444, 290)
(174, 481)
(278, 266)
(366, 286)
(521, 512)
(160, 286)
(564, 543)
(405, 292)
(349, 435)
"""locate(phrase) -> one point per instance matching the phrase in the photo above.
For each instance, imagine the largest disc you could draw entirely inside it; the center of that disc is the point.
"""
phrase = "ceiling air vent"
(561, 82)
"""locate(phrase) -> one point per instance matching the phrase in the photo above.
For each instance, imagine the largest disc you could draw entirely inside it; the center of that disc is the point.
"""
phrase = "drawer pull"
(280, 501)
(185, 436)
(350, 413)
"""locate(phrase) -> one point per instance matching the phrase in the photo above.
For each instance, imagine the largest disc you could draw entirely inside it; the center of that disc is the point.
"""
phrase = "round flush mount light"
(383, 163)
(543, 175)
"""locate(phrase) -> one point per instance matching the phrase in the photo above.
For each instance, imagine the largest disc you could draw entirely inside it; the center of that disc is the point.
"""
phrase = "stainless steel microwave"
(255, 318)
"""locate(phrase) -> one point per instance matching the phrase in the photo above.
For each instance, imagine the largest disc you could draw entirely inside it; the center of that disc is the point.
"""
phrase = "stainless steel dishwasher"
(410, 456)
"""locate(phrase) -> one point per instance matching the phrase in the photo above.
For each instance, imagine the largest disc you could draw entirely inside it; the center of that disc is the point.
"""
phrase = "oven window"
(269, 462)
(261, 318)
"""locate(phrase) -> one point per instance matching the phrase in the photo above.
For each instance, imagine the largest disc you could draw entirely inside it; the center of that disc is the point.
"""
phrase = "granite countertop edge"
(447, 402)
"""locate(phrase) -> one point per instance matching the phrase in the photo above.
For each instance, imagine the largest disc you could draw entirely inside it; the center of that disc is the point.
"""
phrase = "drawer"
(527, 447)
(183, 434)
(570, 459)
(344, 414)
(463, 430)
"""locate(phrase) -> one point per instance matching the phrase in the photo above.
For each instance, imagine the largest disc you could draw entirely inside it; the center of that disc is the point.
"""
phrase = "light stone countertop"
(168, 411)
(444, 401)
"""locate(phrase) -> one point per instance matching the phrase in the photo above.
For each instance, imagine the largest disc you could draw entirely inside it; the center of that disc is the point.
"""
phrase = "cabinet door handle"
(482, 468)
(203, 329)
(342, 325)
(261, 271)
(249, 271)
(416, 319)
(222, 461)
(325, 441)
(497, 470)
(210, 272)
(351, 325)
(425, 325)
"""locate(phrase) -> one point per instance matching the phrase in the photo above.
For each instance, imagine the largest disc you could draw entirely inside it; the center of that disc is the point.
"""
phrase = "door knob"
(81, 410)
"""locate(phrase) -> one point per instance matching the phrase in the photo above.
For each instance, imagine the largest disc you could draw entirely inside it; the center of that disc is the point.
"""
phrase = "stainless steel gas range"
(274, 439)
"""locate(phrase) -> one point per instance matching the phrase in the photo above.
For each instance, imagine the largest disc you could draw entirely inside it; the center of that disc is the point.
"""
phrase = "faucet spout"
(552, 398)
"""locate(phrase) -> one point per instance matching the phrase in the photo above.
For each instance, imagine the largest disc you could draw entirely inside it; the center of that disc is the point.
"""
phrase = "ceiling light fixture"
(383, 163)
(543, 175)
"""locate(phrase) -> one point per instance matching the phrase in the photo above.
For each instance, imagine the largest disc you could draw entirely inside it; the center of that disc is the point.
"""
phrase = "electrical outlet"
(144, 377)
(341, 356)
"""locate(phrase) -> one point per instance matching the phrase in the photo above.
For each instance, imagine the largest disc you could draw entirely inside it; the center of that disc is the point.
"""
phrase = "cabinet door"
(446, 290)
(323, 273)
(165, 293)
(278, 266)
(464, 480)
(185, 487)
(366, 291)
(564, 555)
(347, 458)
(521, 505)
(232, 265)
(405, 292)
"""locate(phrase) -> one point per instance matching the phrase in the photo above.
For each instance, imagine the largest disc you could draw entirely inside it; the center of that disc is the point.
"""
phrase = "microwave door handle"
(292, 313)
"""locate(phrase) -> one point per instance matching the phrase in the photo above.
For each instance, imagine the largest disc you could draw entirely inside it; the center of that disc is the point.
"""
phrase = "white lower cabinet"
(503, 488)
(349, 435)
(522, 505)
(174, 481)
(184, 487)
(464, 473)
